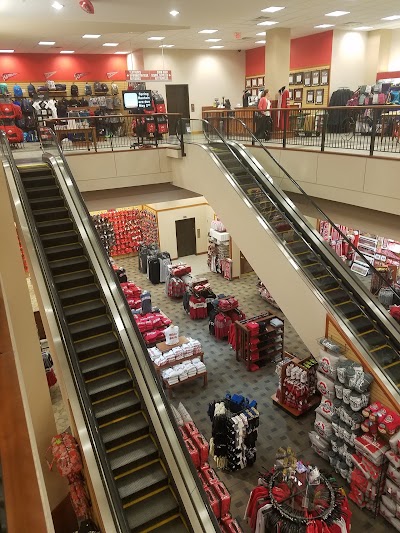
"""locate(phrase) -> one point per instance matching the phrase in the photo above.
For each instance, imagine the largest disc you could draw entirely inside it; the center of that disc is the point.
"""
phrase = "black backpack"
(88, 89)
(32, 91)
(97, 87)
(104, 87)
(74, 90)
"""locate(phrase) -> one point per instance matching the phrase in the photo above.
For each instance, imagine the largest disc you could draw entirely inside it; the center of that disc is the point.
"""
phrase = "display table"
(170, 388)
(61, 133)
(164, 347)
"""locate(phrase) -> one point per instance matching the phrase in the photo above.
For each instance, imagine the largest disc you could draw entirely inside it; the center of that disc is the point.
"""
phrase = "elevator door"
(186, 236)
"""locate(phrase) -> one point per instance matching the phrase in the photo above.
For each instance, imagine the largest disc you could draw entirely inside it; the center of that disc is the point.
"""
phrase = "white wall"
(209, 74)
(394, 55)
(349, 60)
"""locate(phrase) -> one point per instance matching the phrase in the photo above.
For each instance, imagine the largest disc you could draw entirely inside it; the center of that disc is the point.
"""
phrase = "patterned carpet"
(225, 374)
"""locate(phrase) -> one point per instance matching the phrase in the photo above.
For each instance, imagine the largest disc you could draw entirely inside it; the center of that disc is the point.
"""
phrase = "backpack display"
(26, 106)
(7, 111)
(60, 87)
(88, 89)
(51, 85)
(18, 91)
(97, 87)
(17, 111)
(117, 101)
(14, 134)
(31, 90)
(104, 88)
(66, 456)
(3, 88)
(74, 90)
(114, 89)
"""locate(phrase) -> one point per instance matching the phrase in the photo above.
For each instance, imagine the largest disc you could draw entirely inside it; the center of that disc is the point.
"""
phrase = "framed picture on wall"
(325, 76)
(315, 77)
(248, 82)
(298, 78)
(254, 82)
(290, 94)
(291, 78)
(319, 96)
(298, 95)
(307, 79)
(260, 82)
(310, 96)
(254, 92)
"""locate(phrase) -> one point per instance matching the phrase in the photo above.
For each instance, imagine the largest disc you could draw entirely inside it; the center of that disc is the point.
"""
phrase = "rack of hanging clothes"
(223, 315)
(336, 118)
(177, 276)
(198, 298)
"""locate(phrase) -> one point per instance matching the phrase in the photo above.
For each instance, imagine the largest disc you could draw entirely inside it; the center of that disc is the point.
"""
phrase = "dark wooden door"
(177, 102)
(245, 266)
(186, 236)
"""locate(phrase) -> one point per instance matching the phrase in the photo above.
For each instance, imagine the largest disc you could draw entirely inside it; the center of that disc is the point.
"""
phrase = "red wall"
(311, 50)
(32, 67)
(255, 61)
(388, 75)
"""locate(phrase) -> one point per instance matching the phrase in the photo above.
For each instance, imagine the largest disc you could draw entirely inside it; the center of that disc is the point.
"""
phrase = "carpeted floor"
(225, 374)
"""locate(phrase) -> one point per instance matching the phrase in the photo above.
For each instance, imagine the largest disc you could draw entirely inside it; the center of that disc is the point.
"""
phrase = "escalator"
(140, 473)
(145, 469)
(368, 321)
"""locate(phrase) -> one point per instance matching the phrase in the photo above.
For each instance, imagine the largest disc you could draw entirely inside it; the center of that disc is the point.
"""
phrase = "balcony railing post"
(180, 122)
(373, 132)
(285, 118)
(324, 127)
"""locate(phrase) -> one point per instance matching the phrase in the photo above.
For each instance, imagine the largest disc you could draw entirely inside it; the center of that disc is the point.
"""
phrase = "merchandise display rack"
(243, 335)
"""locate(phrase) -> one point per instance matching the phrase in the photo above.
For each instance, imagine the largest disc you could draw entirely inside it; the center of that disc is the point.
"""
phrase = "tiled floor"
(227, 375)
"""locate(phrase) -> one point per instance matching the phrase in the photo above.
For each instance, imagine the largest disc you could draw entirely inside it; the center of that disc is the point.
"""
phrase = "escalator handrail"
(313, 203)
(111, 278)
(66, 339)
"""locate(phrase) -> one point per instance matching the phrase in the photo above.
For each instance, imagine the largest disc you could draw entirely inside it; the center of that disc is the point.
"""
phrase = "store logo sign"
(80, 75)
(48, 75)
(7, 75)
(111, 74)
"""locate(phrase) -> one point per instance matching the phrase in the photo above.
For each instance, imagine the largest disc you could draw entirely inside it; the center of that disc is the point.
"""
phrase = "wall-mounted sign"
(7, 75)
(148, 75)
(80, 75)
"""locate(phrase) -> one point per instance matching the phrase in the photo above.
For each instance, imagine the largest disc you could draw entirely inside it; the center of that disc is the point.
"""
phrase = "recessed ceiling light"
(166, 46)
(155, 38)
(392, 17)
(7, 51)
(219, 46)
(57, 5)
(324, 26)
(261, 33)
(337, 13)
(47, 43)
(267, 23)
(122, 53)
(272, 9)
(174, 12)
(110, 44)
(208, 31)
(363, 28)
(260, 42)
(213, 40)
(90, 36)
(67, 52)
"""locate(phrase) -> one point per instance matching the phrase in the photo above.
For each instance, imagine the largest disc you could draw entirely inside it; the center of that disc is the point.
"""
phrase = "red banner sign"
(7, 75)
(148, 75)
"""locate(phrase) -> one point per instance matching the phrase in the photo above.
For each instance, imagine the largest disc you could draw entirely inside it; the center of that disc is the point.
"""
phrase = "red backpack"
(14, 134)
(64, 449)
(7, 111)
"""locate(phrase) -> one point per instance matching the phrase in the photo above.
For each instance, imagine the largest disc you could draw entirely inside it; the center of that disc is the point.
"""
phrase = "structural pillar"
(277, 60)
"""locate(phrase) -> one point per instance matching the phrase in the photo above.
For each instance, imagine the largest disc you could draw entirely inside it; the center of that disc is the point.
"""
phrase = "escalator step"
(316, 270)
(46, 203)
(104, 387)
(307, 259)
(49, 191)
(143, 481)
(133, 455)
(361, 324)
(123, 405)
(82, 311)
(57, 239)
(374, 339)
(337, 296)
(74, 279)
(79, 294)
(67, 266)
(34, 170)
(54, 226)
(298, 247)
(90, 327)
(394, 373)
(385, 356)
(124, 431)
(106, 342)
(151, 511)
(175, 525)
(56, 213)
(38, 180)
(326, 283)
(64, 252)
(348, 310)
(103, 364)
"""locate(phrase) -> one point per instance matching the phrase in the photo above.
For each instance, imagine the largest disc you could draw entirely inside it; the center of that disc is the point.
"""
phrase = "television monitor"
(137, 100)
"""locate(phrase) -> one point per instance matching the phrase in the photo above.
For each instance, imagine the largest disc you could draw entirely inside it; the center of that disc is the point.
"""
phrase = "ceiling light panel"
(267, 23)
(47, 43)
(208, 31)
(213, 40)
(122, 53)
(324, 26)
(363, 28)
(261, 34)
(155, 38)
(260, 42)
(110, 44)
(90, 36)
(392, 17)
(57, 6)
(67, 52)
(166, 46)
(272, 9)
(337, 13)
(7, 51)
(174, 12)
(219, 46)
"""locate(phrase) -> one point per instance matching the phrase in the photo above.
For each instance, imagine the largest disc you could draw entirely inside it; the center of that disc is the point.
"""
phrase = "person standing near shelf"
(264, 116)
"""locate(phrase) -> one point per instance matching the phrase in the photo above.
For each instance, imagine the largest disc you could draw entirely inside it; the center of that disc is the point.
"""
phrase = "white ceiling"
(130, 22)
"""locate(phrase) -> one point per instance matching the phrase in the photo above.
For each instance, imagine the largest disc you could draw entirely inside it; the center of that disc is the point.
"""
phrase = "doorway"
(177, 102)
(245, 266)
(186, 236)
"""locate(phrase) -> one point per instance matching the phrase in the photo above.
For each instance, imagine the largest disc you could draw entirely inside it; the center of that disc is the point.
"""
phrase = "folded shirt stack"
(200, 366)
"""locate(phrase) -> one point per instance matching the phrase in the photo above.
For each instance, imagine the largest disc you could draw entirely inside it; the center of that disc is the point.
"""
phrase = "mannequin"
(171, 335)
(283, 102)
